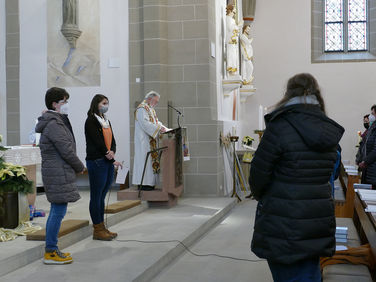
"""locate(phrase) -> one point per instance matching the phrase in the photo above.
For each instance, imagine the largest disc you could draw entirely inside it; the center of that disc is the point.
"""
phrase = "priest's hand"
(118, 164)
(163, 129)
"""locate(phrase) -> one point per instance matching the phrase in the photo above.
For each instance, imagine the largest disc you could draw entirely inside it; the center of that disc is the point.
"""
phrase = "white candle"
(261, 118)
(234, 131)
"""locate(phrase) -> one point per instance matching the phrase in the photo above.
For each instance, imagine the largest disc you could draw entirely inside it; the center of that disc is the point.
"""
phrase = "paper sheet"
(122, 174)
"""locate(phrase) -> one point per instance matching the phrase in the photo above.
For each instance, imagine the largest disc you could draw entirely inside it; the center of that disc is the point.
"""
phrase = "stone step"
(140, 251)
(121, 206)
(67, 226)
(21, 252)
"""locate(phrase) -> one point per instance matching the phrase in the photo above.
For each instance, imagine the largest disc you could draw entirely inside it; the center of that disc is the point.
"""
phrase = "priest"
(147, 129)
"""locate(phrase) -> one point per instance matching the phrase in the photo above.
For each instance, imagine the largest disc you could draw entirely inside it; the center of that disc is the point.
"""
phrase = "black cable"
(187, 249)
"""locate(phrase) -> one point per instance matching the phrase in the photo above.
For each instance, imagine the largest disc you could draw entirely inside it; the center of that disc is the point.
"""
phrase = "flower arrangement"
(247, 140)
(13, 177)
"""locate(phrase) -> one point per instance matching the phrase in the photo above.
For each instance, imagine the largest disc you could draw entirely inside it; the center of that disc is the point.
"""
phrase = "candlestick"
(261, 118)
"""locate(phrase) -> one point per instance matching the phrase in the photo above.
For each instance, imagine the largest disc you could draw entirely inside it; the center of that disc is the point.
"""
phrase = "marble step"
(140, 251)
(20, 252)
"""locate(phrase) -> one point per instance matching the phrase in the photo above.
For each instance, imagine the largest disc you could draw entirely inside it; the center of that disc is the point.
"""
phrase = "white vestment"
(146, 126)
(247, 54)
(232, 47)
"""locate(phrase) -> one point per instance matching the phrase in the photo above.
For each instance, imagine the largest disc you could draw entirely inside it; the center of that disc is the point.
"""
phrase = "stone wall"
(169, 53)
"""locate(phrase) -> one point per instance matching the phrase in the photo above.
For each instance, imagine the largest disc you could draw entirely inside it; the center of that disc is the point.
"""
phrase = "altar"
(29, 157)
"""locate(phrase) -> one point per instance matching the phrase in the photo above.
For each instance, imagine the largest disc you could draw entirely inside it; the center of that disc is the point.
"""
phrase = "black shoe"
(146, 188)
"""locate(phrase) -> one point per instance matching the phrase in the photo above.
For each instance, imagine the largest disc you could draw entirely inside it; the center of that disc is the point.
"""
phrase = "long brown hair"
(302, 84)
(94, 104)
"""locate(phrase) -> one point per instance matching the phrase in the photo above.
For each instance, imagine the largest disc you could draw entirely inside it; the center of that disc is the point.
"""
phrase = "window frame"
(319, 55)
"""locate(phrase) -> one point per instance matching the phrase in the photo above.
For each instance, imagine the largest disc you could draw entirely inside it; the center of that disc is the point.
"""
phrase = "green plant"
(2, 148)
(13, 177)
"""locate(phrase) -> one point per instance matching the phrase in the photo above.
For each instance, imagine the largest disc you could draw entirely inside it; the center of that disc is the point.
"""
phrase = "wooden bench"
(346, 214)
(347, 272)
(344, 197)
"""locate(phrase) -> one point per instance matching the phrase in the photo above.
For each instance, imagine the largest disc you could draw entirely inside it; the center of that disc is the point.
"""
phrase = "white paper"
(341, 248)
(122, 174)
(370, 208)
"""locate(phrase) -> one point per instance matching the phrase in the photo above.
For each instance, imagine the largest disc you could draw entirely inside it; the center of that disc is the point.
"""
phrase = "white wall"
(114, 81)
(3, 109)
(282, 48)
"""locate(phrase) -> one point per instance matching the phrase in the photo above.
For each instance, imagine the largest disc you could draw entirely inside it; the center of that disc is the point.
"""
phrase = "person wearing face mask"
(147, 129)
(100, 162)
(59, 167)
(366, 125)
(367, 160)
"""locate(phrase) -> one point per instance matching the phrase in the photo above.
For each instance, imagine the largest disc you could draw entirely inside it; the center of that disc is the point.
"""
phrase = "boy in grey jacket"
(59, 167)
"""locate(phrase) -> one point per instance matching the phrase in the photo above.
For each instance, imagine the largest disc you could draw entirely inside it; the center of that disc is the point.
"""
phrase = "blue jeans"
(301, 271)
(54, 220)
(101, 175)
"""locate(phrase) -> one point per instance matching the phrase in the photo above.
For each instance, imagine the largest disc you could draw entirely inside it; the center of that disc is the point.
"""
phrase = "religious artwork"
(247, 56)
(69, 27)
(73, 43)
(232, 42)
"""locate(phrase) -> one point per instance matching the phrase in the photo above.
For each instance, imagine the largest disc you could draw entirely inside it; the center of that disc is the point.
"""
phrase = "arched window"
(343, 30)
(346, 26)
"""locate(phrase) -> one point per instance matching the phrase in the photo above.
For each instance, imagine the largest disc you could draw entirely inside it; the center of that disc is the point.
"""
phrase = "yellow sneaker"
(57, 257)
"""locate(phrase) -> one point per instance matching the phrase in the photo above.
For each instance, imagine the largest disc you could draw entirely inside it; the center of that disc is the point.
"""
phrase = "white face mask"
(64, 109)
(371, 119)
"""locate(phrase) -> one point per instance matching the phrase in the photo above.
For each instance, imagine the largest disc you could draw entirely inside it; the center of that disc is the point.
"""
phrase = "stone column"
(169, 53)
(12, 71)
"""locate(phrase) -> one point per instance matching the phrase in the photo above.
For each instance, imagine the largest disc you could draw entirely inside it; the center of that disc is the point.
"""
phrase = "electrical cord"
(189, 250)
(176, 241)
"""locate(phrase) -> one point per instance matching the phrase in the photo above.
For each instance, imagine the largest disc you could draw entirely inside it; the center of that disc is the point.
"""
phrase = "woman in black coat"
(100, 162)
(295, 221)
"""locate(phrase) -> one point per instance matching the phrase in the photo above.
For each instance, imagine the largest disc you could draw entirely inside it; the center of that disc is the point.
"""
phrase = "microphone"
(179, 112)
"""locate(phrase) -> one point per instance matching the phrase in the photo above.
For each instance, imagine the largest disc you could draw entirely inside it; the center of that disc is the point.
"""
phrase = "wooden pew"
(345, 207)
(365, 224)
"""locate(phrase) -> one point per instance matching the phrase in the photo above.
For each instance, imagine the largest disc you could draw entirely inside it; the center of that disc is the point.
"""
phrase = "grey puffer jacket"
(59, 160)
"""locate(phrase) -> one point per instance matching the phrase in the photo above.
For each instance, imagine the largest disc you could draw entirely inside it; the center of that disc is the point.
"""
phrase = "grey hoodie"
(59, 160)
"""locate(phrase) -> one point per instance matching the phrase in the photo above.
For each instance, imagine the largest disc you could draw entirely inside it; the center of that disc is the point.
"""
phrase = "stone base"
(230, 85)
(155, 198)
(246, 91)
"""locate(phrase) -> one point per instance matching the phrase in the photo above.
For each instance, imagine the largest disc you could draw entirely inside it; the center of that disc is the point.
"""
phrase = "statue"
(232, 44)
(247, 56)
(69, 12)
(70, 28)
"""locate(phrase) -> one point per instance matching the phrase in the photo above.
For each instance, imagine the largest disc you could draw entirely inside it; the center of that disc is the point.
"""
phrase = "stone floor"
(131, 261)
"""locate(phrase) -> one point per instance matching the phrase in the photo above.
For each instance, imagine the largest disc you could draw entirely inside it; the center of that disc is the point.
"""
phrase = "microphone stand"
(178, 112)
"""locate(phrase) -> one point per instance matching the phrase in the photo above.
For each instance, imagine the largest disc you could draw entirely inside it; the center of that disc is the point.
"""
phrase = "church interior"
(216, 68)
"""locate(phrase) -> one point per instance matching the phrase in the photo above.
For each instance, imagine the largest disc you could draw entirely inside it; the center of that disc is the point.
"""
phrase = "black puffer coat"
(59, 160)
(370, 156)
(289, 177)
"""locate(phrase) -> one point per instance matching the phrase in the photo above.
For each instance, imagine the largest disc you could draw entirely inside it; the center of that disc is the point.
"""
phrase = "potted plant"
(13, 180)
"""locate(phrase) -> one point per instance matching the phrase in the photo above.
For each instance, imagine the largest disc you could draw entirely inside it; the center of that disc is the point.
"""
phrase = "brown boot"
(113, 234)
(100, 233)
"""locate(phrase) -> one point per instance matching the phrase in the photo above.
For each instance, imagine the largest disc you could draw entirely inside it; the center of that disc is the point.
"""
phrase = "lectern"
(172, 174)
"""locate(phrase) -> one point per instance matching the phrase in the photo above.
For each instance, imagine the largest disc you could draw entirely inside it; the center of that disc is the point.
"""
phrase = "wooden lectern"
(172, 174)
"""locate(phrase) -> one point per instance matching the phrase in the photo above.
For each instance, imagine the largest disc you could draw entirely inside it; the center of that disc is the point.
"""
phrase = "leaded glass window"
(345, 26)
